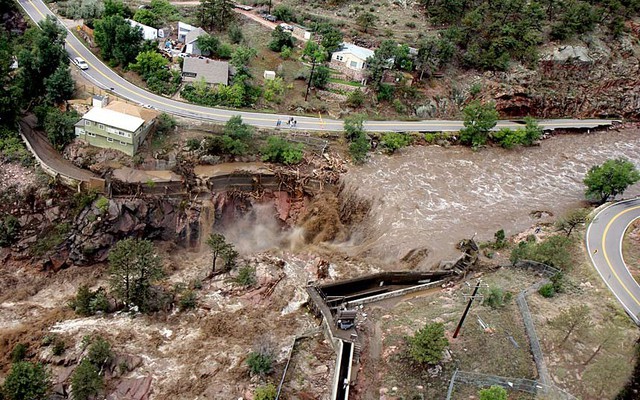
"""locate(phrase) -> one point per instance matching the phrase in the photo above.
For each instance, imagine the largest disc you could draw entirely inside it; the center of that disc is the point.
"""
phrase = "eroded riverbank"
(433, 196)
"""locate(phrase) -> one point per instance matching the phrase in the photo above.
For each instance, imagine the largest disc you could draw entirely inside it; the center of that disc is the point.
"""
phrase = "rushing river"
(433, 196)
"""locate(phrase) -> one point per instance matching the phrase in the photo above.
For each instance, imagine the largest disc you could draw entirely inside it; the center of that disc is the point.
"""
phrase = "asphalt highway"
(107, 79)
(604, 244)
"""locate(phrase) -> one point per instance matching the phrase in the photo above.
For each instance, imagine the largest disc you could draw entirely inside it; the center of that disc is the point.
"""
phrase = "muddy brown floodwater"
(433, 196)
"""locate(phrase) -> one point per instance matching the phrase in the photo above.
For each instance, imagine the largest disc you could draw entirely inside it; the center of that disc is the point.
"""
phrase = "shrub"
(19, 352)
(86, 381)
(359, 148)
(267, 392)
(260, 363)
(558, 282)
(165, 123)
(385, 92)
(500, 238)
(355, 98)
(427, 345)
(193, 144)
(495, 392)
(59, 346)
(393, 141)
(496, 297)
(547, 290)
(26, 381)
(246, 276)
(554, 252)
(102, 204)
(9, 229)
(235, 34)
(189, 300)
(278, 150)
(285, 53)
(99, 352)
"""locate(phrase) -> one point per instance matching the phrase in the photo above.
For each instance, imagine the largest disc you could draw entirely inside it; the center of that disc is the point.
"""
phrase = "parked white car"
(82, 64)
(286, 27)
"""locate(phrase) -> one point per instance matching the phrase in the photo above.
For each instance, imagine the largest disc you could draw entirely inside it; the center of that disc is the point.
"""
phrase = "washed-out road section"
(107, 79)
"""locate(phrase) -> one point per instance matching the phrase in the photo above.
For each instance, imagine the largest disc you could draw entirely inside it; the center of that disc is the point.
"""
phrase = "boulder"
(132, 389)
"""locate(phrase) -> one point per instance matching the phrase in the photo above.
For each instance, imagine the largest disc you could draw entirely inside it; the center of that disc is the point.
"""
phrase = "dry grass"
(566, 362)
(474, 350)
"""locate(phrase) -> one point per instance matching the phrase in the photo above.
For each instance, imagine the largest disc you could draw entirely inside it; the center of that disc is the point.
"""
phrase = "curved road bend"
(604, 244)
(105, 78)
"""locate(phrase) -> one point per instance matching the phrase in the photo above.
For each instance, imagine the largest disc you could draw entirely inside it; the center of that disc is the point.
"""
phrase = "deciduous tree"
(572, 219)
(575, 319)
(59, 86)
(366, 20)
(148, 63)
(610, 179)
(119, 42)
(59, 127)
(479, 119)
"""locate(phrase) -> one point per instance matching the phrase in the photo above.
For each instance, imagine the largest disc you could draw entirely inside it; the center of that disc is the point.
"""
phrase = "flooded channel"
(433, 196)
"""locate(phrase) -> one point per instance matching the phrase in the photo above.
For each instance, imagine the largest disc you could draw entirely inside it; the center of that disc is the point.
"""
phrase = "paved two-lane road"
(604, 243)
(105, 78)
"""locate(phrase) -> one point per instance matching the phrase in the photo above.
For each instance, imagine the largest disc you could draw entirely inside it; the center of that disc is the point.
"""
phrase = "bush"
(19, 352)
(283, 12)
(427, 345)
(165, 123)
(102, 204)
(86, 302)
(235, 34)
(267, 392)
(393, 141)
(86, 381)
(495, 392)
(9, 229)
(285, 53)
(496, 297)
(59, 346)
(385, 92)
(260, 363)
(500, 238)
(26, 381)
(547, 290)
(278, 150)
(355, 98)
(189, 300)
(246, 276)
(99, 353)
(554, 252)
(193, 144)
(359, 148)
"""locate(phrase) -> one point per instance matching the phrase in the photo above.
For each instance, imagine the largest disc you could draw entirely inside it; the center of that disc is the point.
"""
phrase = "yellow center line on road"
(274, 117)
(606, 257)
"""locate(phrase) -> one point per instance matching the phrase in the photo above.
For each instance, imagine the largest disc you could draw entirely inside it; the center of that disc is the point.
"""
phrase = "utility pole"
(466, 310)
(313, 67)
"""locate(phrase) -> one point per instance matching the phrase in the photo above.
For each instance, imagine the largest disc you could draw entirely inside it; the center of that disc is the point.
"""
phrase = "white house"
(183, 29)
(351, 60)
(191, 41)
(148, 32)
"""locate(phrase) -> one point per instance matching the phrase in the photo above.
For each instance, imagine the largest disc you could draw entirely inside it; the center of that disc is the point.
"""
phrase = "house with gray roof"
(191, 41)
(211, 71)
(351, 60)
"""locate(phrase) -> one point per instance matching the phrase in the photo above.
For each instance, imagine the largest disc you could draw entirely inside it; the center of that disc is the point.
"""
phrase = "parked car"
(262, 12)
(82, 64)
(286, 27)
(270, 18)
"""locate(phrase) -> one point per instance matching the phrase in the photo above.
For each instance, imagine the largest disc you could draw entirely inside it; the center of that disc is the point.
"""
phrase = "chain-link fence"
(541, 391)
(543, 388)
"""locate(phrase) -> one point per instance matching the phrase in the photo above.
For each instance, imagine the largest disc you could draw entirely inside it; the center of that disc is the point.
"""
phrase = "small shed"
(269, 75)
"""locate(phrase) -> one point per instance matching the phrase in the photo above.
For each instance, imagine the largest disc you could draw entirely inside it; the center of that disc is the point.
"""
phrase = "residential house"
(116, 125)
(183, 29)
(148, 32)
(351, 60)
(211, 71)
(191, 42)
